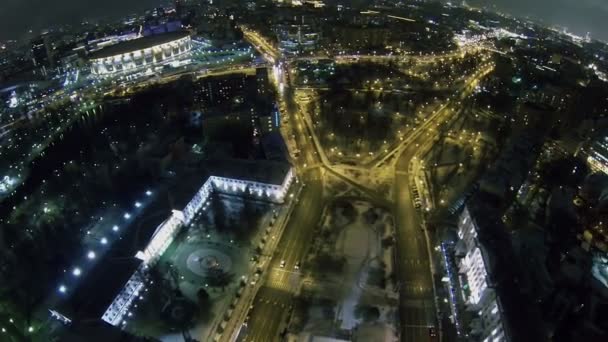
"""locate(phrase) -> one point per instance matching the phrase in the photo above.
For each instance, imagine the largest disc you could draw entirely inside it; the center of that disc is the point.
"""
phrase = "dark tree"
(367, 313)
(569, 171)
(219, 212)
(217, 277)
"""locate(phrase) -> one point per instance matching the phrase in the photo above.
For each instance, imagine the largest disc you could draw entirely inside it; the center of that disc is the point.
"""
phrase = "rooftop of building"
(274, 146)
(262, 171)
(138, 44)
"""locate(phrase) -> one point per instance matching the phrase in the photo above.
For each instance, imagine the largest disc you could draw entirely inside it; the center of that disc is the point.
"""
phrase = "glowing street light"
(63, 289)
(148, 193)
(91, 255)
(137, 205)
(104, 241)
(127, 216)
(76, 272)
(115, 228)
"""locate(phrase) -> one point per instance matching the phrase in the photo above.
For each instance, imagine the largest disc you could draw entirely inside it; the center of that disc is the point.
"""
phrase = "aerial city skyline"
(303, 170)
(17, 17)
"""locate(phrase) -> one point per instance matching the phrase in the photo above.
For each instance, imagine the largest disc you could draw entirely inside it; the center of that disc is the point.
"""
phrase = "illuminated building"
(42, 55)
(125, 279)
(142, 54)
(597, 155)
(477, 292)
(297, 39)
(166, 232)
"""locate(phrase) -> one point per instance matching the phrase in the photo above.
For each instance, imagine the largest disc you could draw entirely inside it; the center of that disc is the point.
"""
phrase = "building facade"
(140, 54)
(477, 292)
(163, 236)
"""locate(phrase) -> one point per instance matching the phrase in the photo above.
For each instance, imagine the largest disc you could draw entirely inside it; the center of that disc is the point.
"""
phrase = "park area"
(361, 111)
(197, 282)
(354, 246)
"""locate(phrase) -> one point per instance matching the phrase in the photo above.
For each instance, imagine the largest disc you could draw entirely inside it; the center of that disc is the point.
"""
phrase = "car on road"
(255, 279)
(282, 264)
(297, 266)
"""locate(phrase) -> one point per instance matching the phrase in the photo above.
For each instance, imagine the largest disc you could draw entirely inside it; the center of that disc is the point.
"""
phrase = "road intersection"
(273, 302)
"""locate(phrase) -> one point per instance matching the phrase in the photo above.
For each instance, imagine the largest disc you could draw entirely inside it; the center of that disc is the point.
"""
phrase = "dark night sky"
(579, 16)
(17, 16)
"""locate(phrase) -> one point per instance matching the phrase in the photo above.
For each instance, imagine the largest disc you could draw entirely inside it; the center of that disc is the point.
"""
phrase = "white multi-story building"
(140, 54)
(474, 267)
(477, 292)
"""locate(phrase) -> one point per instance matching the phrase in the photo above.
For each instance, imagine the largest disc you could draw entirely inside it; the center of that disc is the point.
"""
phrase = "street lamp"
(76, 272)
(91, 255)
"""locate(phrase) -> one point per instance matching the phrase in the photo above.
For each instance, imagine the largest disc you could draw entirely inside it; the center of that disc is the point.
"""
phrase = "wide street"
(417, 305)
(274, 299)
